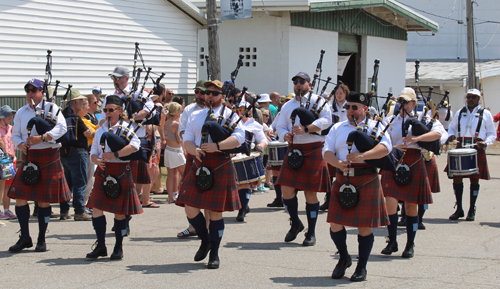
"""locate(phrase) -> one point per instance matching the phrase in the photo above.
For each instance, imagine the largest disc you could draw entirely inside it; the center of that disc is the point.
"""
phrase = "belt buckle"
(351, 172)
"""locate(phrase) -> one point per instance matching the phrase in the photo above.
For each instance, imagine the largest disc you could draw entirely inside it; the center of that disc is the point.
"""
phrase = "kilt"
(187, 168)
(140, 172)
(484, 172)
(127, 202)
(370, 210)
(332, 171)
(313, 176)
(52, 186)
(433, 175)
(224, 194)
(418, 190)
(274, 168)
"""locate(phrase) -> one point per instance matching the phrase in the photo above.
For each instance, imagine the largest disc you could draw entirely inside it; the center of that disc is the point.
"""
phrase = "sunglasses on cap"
(199, 91)
(110, 110)
(212, 92)
(302, 81)
(470, 96)
(348, 106)
(32, 89)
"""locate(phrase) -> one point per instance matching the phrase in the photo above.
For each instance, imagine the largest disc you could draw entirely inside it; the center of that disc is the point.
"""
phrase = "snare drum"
(248, 168)
(277, 153)
(462, 162)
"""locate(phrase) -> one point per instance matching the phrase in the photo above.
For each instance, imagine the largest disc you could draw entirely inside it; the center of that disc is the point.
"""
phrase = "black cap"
(302, 75)
(114, 99)
(358, 98)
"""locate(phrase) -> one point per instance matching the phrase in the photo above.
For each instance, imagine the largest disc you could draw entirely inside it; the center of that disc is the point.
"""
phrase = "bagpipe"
(348, 195)
(111, 184)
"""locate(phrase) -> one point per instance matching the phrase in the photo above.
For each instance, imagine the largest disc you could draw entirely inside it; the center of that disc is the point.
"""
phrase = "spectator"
(154, 169)
(496, 118)
(6, 115)
(174, 153)
(265, 102)
(179, 100)
(93, 104)
(275, 102)
(90, 165)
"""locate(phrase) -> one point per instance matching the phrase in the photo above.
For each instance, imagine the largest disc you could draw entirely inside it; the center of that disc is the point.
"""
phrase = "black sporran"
(295, 159)
(111, 187)
(31, 173)
(204, 179)
(348, 196)
(402, 175)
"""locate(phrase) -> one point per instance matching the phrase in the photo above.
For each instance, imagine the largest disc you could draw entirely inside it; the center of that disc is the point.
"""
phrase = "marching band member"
(43, 152)
(370, 211)
(312, 176)
(473, 125)
(222, 195)
(417, 190)
(127, 203)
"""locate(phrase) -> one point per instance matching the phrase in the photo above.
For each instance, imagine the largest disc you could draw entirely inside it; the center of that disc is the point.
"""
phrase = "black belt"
(358, 172)
(66, 149)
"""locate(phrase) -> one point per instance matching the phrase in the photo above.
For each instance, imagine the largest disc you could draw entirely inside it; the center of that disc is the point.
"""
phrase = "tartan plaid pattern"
(370, 210)
(418, 190)
(312, 176)
(140, 172)
(484, 172)
(275, 168)
(127, 202)
(332, 171)
(433, 175)
(187, 168)
(224, 194)
(51, 187)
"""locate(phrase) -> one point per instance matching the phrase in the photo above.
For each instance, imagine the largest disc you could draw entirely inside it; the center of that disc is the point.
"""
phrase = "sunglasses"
(95, 102)
(348, 106)
(266, 115)
(241, 109)
(116, 77)
(169, 93)
(198, 91)
(106, 110)
(214, 93)
(471, 96)
(302, 81)
(32, 89)
(95, 91)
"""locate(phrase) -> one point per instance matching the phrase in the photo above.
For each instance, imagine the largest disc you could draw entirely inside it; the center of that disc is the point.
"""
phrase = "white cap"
(264, 97)
(473, 91)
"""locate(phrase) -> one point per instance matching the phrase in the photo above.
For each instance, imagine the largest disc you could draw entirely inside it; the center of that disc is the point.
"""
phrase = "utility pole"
(471, 53)
(213, 39)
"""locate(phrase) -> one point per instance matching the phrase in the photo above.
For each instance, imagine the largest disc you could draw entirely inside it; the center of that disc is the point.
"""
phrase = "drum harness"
(479, 114)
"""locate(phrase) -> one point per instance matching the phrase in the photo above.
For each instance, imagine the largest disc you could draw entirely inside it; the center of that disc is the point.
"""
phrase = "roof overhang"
(190, 10)
(388, 10)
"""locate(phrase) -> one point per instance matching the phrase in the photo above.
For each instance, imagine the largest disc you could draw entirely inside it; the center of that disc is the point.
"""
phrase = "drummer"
(473, 125)
(249, 124)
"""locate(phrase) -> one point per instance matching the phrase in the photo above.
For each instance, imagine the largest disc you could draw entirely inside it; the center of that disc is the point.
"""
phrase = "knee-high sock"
(403, 212)
(339, 239)
(365, 245)
(421, 212)
(43, 221)
(120, 230)
(200, 225)
(459, 191)
(312, 211)
(23, 216)
(216, 229)
(392, 228)
(277, 189)
(99, 224)
(411, 228)
(244, 199)
(474, 192)
(292, 206)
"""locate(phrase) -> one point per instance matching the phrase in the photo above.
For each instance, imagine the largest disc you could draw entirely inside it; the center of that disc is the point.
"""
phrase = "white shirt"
(284, 123)
(337, 137)
(258, 131)
(23, 116)
(395, 131)
(195, 122)
(468, 124)
(96, 148)
(442, 116)
(341, 111)
(188, 110)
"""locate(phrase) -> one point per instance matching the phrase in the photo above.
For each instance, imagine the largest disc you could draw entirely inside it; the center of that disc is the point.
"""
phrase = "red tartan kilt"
(224, 194)
(52, 186)
(187, 168)
(433, 175)
(370, 211)
(484, 172)
(140, 172)
(275, 168)
(418, 190)
(312, 176)
(332, 171)
(127, 202)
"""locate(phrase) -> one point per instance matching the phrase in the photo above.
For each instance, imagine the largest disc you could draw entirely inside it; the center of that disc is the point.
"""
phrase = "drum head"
(31, 174)
(464, 151)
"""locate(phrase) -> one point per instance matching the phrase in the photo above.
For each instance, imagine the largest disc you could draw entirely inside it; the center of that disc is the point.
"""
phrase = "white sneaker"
(2, 224)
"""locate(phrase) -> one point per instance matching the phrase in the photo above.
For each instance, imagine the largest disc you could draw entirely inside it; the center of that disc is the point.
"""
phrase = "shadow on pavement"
(319, 281)
(168, 268)
(260, 246)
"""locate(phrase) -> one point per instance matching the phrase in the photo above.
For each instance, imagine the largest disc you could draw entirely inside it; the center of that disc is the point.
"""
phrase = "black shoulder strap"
(480, 111)
(464, 110)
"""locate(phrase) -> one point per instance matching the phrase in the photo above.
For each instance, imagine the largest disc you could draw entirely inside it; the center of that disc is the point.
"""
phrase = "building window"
(249, 55)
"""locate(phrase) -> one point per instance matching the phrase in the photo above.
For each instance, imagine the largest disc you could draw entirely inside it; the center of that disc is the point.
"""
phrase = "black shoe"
(202, 251)
(402, 222)
(390, 248)
(117, 254)
(408, 252)
(421, 226)
(294, 231)
(340, 268)
(309, 241)
(213, 263)
(240, 217)
(21, 244)
(456, 215)
(247, 210)
(276, 204)
(41, 247)
(324, 207)
(471, 215)
(97, 252)
(359, 275)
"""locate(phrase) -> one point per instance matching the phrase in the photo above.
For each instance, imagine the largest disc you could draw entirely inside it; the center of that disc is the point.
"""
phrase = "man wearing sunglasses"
(474, 127)
(43, 152)
(312, 176)
(370, 210)
(223, 195)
